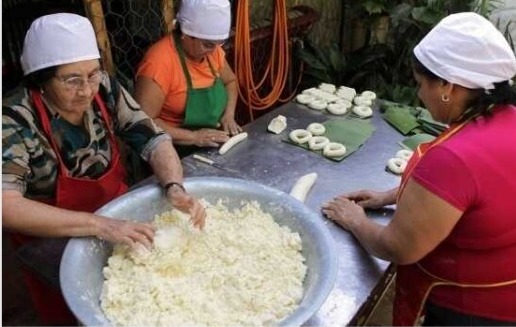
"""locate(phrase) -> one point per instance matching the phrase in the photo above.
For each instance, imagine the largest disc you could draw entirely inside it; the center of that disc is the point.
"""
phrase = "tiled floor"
(17, 309)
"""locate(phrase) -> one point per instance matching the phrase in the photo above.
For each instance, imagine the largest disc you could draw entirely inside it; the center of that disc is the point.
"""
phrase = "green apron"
(204, 106)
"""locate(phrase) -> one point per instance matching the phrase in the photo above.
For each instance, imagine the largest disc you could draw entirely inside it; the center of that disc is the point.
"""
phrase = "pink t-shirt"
(475, 171)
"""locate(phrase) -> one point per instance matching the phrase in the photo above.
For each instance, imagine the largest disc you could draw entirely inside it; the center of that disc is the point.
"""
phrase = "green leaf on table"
(413, 141)
(401, 118)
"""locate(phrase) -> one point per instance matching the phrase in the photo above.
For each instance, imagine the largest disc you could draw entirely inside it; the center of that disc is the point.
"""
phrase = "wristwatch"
(173, 185)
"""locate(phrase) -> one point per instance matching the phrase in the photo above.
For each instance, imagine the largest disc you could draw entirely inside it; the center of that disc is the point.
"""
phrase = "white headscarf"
(466, 49)
(205, 19)
(58, 39)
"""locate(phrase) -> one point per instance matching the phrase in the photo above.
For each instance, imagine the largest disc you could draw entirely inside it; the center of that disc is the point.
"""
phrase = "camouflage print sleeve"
(132, 124)
(15, 156)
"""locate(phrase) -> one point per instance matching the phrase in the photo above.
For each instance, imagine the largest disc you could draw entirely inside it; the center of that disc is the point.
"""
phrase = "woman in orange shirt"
(184, 81)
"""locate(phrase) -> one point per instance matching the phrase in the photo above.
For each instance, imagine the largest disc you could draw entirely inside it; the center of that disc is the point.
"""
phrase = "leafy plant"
(409, 21)
(322, 64)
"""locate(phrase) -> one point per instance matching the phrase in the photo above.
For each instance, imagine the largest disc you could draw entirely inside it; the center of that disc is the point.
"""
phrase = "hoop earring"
(445, 98)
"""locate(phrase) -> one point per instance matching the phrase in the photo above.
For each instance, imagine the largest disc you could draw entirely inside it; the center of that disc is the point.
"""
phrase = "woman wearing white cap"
(60, 158)
(453, 234)
(184, 81)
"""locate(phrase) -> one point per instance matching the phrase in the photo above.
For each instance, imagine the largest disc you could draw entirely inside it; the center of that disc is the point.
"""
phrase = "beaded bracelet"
(171, 184)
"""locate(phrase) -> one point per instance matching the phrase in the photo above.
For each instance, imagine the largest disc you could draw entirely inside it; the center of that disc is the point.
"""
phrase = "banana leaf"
(413, 141)
(401, 118)
(352, 133)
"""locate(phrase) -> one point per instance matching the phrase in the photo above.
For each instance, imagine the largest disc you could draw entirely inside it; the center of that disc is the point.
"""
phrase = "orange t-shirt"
(162, 64)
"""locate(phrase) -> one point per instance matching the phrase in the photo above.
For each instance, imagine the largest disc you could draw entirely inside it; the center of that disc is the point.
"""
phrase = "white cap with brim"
(58, 39)
(466, 49)
(205, 19)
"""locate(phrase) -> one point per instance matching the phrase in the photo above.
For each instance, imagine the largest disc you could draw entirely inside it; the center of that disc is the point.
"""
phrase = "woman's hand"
(207, 137)
(344, 212)
(123, 231)
(229, 125)
(369, 199)
(188, 204)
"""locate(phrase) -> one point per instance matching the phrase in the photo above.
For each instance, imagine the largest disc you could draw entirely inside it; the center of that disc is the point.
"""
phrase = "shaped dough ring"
(368, 95)
(337, 108)
(362, 111)
(404, 154)
(304, 98)
(300, 136)
(318, 104)
(316, 129)
(318, 142)
(396, 165)
(334, 149)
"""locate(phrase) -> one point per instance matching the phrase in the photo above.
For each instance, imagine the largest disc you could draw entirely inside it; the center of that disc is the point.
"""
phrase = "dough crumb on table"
(243, 269)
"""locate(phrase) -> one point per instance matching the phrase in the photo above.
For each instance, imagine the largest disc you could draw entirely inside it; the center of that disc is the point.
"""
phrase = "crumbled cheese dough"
(242, 269)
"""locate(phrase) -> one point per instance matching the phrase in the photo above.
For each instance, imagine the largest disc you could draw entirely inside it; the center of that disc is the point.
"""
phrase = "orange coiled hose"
(278, 65)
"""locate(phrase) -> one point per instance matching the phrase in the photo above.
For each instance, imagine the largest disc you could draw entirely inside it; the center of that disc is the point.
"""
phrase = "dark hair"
(37, 79)
(503, 93)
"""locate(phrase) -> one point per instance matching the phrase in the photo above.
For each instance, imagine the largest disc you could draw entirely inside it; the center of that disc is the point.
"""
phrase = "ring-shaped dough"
(300, 136)
(368, 95)
(404, 154)
(363, 111)
(334, 149)
(318, 104)
(337, 108)
(304, 98)
(318, 142)
(361, 101)
(309, 91)
(316, 129)
(396, 165)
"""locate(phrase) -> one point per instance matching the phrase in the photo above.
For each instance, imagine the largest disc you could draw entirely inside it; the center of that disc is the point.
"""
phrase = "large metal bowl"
(83, 259)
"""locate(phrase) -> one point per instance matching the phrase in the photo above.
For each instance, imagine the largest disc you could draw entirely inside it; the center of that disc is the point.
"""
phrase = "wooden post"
(95, 13)
(168, 16)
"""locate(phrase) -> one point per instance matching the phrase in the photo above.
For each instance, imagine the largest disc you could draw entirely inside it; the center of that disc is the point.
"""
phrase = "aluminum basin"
(83, 259)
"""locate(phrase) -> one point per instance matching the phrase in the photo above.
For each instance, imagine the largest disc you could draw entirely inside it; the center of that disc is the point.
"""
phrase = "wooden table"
(266, 159)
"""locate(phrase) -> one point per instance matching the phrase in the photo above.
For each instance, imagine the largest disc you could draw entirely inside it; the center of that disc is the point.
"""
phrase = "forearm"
(38, 219)
(166, 164)
(232, 92)
(390, 196)
(181, 136)
(371, 235)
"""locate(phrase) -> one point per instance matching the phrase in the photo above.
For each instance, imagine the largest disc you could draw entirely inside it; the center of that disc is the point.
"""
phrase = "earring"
(41, 90)
(445, 98)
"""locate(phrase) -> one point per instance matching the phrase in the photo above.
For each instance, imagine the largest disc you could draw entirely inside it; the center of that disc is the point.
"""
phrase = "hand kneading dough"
(303, 186)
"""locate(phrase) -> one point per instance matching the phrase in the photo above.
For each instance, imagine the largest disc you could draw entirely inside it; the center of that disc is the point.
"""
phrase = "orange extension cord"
(277, 68)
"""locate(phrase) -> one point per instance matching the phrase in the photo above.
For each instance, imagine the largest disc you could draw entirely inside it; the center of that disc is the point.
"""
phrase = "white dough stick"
(302, 186)
(232, 142)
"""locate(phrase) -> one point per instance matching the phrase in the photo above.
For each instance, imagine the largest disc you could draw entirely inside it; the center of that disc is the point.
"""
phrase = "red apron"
(414, 282)
(72, 193)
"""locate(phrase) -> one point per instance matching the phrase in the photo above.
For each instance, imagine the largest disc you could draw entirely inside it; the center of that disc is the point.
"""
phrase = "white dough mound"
(242, 269)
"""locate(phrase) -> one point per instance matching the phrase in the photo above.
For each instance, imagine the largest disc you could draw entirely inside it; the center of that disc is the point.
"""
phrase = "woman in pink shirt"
(453, 234)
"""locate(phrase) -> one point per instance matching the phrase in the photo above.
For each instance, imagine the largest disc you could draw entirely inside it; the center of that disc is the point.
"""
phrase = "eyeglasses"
(77, 83)
(209, 44)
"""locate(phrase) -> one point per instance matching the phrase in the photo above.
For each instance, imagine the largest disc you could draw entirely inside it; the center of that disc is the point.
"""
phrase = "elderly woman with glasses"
(61, 160)
(184, 81)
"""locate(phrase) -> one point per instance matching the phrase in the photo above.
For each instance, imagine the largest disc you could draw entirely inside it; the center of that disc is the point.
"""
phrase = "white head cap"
(466, 49)
(205, 19)
(58, 39)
